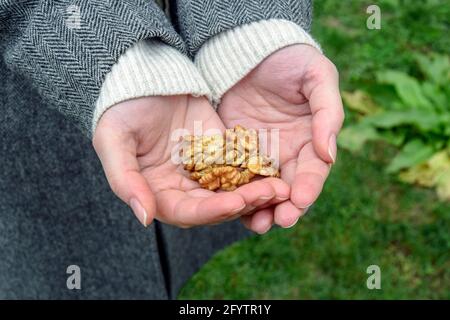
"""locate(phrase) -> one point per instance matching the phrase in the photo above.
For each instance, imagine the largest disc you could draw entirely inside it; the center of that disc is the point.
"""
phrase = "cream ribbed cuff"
(226, 58)
(149, 68)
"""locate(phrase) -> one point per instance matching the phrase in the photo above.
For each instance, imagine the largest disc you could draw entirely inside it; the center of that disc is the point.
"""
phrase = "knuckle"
(322, 70)
(341, 115)
(315, 73)
(329, 67)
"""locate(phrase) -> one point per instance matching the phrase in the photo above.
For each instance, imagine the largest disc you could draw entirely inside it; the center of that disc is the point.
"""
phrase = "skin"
(133, 142)
(295, 90)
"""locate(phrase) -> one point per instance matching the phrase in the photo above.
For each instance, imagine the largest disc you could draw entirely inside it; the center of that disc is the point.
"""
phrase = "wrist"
(149, 68)
(229, 56)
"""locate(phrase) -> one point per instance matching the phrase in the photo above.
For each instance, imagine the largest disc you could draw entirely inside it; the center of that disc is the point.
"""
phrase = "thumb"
(322, 91)
(117, 153)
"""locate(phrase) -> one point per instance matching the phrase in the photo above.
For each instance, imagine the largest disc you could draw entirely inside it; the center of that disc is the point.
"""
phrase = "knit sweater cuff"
(149, 68)
(229, 56)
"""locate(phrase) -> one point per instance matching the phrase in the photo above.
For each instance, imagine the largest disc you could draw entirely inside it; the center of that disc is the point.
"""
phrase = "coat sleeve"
(67, 47)
(200, 20)
(229, 38)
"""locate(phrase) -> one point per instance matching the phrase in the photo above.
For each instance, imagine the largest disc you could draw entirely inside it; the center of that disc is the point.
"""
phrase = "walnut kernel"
(226, 162)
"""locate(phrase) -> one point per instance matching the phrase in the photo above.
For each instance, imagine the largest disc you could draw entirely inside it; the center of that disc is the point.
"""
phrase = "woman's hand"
(295, 90)
(133, 141)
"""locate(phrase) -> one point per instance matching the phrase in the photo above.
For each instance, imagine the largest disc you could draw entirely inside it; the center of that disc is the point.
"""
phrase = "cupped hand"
(135, 140)
(295, 90)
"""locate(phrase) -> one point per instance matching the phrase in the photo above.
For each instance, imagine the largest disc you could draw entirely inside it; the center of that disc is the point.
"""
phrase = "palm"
(277, 95)
(148, 139)
(259, 109)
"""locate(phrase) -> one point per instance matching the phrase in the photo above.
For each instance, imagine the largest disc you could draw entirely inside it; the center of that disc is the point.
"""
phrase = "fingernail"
(305, 207)
(262, 200)
(139, 211)
(306, 210)
(332, 149)
(265, 231)
(238, 209)
(247, 210)
(290, 226)
(282, 198)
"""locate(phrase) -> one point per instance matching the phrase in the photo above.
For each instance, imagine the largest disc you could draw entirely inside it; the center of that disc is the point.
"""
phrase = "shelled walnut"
(226, 162)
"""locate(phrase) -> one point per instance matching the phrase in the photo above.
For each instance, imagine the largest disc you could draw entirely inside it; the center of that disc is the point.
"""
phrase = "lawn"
(364, 216)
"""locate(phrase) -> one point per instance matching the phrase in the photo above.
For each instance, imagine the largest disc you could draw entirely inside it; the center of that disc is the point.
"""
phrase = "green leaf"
(435, 94)
(385, 96)
(396, 138)
(359, 101)
(414, 152)
(423, 120)
(354, 137)
(435, 67)
(407, 88)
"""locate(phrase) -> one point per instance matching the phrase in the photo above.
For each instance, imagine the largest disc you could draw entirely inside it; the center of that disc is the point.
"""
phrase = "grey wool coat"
(56, 208)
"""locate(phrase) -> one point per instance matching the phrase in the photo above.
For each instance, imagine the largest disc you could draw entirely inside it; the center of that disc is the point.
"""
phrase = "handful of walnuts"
(228, 161)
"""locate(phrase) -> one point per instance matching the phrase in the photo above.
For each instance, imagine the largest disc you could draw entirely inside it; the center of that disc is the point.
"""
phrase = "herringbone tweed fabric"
(199, 20)
(56, 208)
(68, 64)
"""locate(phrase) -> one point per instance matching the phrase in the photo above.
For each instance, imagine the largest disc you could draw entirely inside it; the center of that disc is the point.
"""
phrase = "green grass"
(363, 216)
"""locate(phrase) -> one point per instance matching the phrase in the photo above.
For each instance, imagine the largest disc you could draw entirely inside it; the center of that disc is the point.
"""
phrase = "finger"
(282, 189)
(246, 221)
(185, 210)
(286, 214)
(260, 222)
(310, 176)
(256, 193)
(117, 153)
(321, 88)
(261, 193)
(288, 171)
(271, 203)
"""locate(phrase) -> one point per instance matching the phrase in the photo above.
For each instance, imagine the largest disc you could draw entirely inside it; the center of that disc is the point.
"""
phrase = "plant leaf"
(396, 138)
(354, 137)
(435, 67)
(428, 172)
(359, 101)
(414, 152)
(434, 94)
(443, 186)
(423, 120)
(435, 172)
(407, 88)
